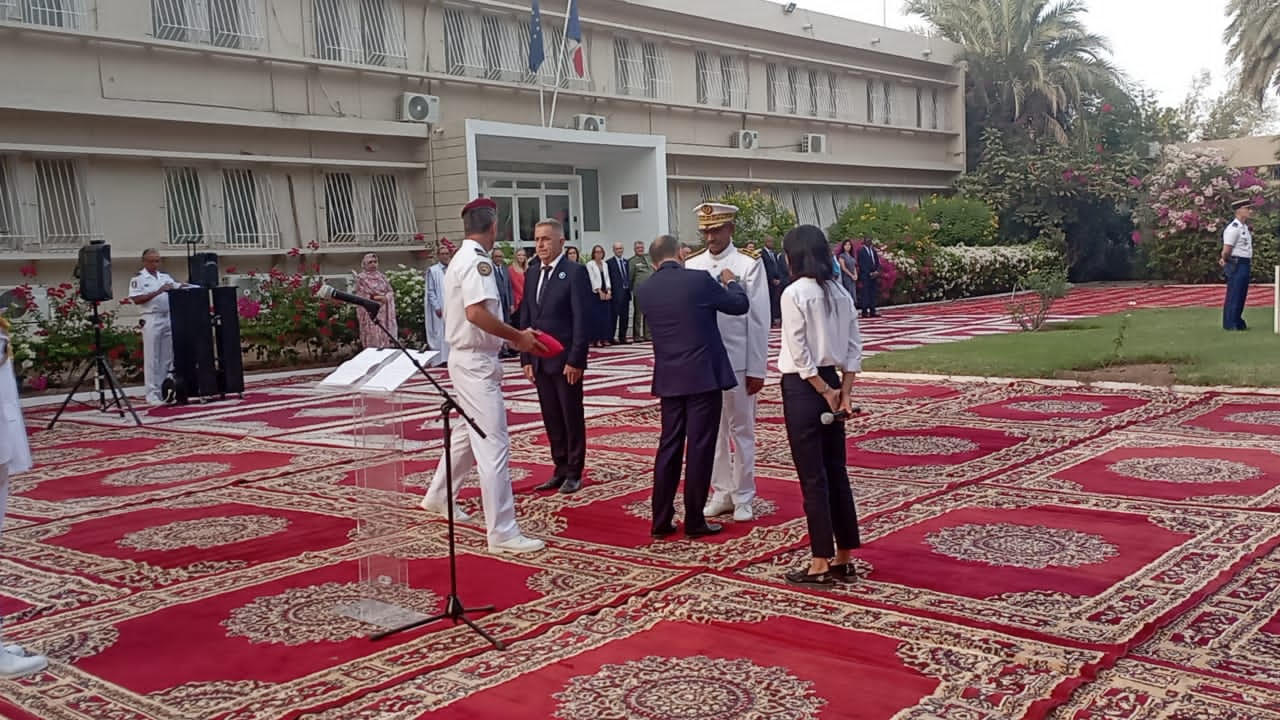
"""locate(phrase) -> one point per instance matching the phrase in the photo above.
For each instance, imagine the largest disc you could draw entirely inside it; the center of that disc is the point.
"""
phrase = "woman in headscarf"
(374, 285)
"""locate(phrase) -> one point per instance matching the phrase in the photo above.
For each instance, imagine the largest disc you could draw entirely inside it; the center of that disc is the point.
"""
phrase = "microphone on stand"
(328, 292)
(828, 418)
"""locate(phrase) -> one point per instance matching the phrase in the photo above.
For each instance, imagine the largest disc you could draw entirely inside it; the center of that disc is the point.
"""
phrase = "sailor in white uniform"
(149, 291)
(475, 332)
(1236, 261)
(15, 457)
(746, 338)
(433, 301)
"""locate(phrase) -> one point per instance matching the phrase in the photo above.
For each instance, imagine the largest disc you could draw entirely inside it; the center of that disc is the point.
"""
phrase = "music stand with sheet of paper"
(374, 378)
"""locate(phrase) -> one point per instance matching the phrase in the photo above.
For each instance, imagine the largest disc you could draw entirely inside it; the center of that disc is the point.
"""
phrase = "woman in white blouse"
(820, 357)
(601, 328)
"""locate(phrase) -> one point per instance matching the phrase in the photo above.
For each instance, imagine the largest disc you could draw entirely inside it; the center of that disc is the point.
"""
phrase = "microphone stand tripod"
(453, 608)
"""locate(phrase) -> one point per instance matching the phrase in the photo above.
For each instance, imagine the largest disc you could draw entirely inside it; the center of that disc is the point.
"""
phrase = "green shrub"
(759, 215)
(960, 220)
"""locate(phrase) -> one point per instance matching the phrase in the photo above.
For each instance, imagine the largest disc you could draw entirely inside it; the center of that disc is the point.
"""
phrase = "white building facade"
(252, 127)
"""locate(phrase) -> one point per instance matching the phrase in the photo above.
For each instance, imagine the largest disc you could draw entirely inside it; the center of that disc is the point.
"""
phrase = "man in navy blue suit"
(556, 301)
(691, 370)
(620, 281)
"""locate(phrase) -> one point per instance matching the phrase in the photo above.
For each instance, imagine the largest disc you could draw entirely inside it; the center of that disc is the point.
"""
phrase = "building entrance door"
(524, 200)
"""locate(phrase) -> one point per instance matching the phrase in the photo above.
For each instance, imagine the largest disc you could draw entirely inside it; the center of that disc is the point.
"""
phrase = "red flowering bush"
(285, 323)
(48, 351)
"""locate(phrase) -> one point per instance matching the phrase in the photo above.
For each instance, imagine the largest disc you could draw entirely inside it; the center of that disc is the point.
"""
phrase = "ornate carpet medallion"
(1185, 470)
(918, 445)
(1260, 417)
(204, 533)
(312, 613)
(1025, 546)
(165, 474)
(1058, 407)
(691, 688)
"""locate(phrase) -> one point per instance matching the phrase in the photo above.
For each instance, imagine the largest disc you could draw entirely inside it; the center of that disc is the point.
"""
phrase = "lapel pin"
(561, 274)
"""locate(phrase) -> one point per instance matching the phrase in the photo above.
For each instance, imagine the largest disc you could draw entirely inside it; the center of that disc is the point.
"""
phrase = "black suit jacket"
(772, 269)
(868, 260)
(562, 313)
(688, 352)
(619, 276)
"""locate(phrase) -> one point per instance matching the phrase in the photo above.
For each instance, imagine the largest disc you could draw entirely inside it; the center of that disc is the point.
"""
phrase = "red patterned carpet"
(1031, 551)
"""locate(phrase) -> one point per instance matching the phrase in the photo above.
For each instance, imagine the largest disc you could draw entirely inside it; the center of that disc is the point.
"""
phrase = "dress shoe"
(743, 513)
(16, 662)
(716, 507)
(442, 511)
(662, 532)
(803, 578)
(704, 531)
(571, 485)
(552, 484)
(516, 546)
(843, 573)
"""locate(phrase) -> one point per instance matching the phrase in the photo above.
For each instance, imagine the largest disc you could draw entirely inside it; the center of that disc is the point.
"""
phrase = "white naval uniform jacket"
(746, 337)
(156, 309)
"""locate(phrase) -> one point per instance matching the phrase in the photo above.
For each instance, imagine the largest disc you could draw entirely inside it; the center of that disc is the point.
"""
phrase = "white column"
(1276, 302)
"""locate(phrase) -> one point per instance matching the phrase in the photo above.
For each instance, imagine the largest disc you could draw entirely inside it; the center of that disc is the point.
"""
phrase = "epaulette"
(753, 254)
(481, 252)
(696, 253)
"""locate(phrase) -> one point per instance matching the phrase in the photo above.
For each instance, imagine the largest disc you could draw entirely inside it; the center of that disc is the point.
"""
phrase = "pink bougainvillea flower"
(294, 252)
(1107, 107)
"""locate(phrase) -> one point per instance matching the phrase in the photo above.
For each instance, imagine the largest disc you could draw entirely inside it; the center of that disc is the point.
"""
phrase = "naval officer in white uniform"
(746, 338)
(149, 290)
(475, 332)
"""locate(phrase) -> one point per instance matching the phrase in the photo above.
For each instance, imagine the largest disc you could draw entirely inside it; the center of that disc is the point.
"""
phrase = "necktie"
(546, 277)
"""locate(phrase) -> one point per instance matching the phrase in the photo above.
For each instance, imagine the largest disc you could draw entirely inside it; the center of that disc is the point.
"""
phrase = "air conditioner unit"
(590, 123)
(18, 309)
(416, 107)
(813, 143)
(746, 139)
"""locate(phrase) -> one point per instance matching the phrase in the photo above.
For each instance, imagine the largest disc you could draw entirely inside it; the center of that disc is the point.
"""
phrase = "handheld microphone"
(828, 418)
(328, 292)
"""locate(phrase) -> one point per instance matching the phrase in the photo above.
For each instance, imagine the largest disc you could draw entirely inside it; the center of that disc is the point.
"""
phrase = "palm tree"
(1030, 62)
(1253, 38)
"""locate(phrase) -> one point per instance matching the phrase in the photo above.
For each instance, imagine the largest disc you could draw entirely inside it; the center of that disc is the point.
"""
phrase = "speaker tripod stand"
(102, 377)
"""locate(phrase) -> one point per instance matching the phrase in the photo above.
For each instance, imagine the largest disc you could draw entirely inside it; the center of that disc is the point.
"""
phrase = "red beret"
(480, 202)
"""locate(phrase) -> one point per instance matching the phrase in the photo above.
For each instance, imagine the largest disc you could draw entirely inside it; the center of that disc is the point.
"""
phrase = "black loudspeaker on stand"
(94, 271)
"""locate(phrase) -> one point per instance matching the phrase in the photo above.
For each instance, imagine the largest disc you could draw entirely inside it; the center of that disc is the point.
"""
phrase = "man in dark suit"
(691, 370)
(869, 277)
(773, 270)
(557, 293)
(620, 281)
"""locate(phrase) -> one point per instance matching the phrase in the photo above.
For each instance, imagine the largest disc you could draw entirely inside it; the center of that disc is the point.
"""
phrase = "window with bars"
(62, 204)
(933, 109)
(368, 32)
(495, 46)
(362, 210)
(641, 69)
(230, 208)
(721, 80)
(10, 216)
(223, 23)
(54, 13)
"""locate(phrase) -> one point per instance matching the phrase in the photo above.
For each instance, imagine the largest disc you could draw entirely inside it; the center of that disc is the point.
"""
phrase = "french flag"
(573, 33)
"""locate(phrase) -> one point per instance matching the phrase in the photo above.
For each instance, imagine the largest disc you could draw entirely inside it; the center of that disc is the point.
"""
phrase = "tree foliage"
(1031, 63)
(759, 216)
(1232, 113)
(1253, 40)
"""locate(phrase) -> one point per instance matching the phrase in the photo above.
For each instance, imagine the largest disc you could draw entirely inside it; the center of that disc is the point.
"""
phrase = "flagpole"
(564, 36)
(542, 103)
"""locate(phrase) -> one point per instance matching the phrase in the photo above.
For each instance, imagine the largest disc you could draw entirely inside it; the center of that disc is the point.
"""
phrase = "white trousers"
(435, 336)
(477, 383)
(157, 353)
(734, 471)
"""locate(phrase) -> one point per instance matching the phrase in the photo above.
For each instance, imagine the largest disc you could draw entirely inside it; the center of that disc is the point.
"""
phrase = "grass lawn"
(1189, 341)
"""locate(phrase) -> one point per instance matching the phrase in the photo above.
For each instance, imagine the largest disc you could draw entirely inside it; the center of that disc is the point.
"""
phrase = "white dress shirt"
(818, 329)
(544, 277)
(1237, 235)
